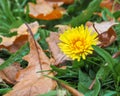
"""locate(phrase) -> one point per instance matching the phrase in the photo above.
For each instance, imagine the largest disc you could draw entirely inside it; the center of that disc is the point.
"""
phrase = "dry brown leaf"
(30, 81)
(32, 86)
(104, 26)
(34, 64)
(53, 40)
(109, 4)
(64, 1)
(107, 38)
(9, 74)
(22, 30)
(46, 10)
(17, 41)
(55, 14)
(3, 76)
(51, 3)
(105, 32)
(62, 28)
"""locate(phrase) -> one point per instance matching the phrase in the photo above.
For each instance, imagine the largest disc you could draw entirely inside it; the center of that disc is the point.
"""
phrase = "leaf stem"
(31, 33)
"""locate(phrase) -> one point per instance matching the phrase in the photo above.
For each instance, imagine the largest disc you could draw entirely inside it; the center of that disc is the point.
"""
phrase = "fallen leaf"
(55, 14)
(62, 28)
(47, 10)
(105, 32)
(50, 2)
(32, 86)
(112, 5)
(20, 39)
(6, 39)
(31, 82)
(23, 29)
(65, 1)
(9, 74)
(53, 40)
(109, 4)
(34, 63)
(107, 38)
(104, 26)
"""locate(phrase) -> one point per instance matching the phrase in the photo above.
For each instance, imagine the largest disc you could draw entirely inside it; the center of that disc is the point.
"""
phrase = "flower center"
(79, 46)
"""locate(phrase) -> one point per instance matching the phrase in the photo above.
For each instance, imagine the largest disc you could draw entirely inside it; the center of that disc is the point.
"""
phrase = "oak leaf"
(34, 61)
(20, 39)
(31, 82)
(46, 10)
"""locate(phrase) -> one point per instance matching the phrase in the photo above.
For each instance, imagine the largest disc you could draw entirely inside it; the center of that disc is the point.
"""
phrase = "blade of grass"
(16, 56)
(108, 58)
(4, 90)
(86, 14)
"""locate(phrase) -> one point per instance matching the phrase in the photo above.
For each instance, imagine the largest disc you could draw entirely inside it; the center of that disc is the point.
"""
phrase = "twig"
(116, 55)
(73, 91)
(31, 33)
(92, 84)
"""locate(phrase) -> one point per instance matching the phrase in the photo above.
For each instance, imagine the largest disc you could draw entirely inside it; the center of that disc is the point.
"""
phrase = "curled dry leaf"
(9, 74)
(105, 32)
(21, 38)
(53, 40)
(46, 10)
(107, 38)
(104, 26)
(30, 81)
(19, 41)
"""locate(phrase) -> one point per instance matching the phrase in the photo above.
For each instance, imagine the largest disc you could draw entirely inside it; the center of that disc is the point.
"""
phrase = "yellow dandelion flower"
(77, 42)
